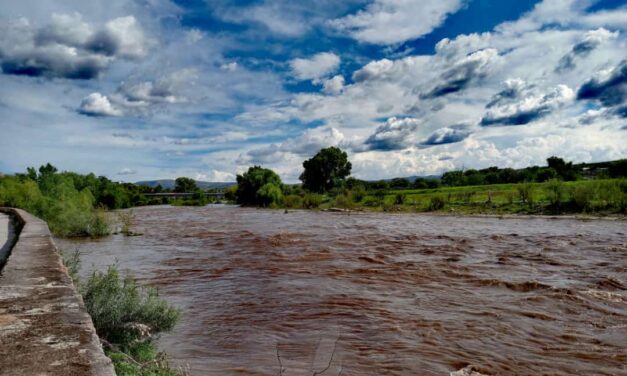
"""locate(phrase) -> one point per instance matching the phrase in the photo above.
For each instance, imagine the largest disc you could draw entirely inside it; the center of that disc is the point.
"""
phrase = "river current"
(265, 292)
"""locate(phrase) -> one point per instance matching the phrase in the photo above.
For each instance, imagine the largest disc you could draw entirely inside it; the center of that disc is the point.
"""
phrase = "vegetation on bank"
(558, 188)
(75, 205)
(127, 318)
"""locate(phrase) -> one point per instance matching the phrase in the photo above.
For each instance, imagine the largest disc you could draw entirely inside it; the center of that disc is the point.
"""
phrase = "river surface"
(313, 293)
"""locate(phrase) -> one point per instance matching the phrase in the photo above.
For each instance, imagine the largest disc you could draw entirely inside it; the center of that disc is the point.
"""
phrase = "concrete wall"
(44, 326)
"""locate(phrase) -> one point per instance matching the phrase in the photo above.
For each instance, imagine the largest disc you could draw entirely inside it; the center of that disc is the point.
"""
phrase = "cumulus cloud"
(590, 41)
(68, 47)
(519, 111)
(469, 69)
(333, 85)
(305, 145)
(138, 98)
(121, 37)
(609, 87)
(446, 135)
(96, 104)
(394, 134)
(396, 21)
(316, 67)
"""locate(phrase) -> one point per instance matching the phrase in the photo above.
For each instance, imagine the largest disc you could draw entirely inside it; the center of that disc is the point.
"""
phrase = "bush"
(343, 201)
(312, 201)
(358, 194)
(525, 192)
(126, 317)
(555, 192)
(399, 199)
(293, 201)
(372, 202)
(582, 196)
(121, 309)
(437, 203)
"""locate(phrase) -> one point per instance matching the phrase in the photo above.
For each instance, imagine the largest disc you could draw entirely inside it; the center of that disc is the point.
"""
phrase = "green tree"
(269, 194)
(325, 170)
(185, 185)
(399, 183)
(250, 183)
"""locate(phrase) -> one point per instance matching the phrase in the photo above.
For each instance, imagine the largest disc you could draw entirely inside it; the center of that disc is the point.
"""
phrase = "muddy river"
(310, 293)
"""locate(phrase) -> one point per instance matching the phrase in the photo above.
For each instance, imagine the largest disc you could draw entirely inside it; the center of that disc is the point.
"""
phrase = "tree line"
(328, 172)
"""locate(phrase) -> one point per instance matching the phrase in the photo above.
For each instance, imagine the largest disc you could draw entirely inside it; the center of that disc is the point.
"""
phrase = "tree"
(325, 170)
(185, 185)
(269, 194)
(399, 183)
(565, 171)
(250, 184)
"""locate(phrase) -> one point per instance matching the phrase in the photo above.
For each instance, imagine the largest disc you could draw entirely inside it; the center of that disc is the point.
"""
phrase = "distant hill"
(414, 177)
(169, 184)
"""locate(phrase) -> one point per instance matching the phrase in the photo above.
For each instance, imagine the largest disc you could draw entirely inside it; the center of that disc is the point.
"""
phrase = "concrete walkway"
(5, 229)
(44, 326)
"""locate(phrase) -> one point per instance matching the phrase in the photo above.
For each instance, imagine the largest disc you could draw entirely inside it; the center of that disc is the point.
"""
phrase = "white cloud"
(138, 98)
(333, 85)
(229, 67)
(127, 171)
(68, 47)
(216, 176)
(396, 21)
(316, 67)
(96, 104)
(532, 106)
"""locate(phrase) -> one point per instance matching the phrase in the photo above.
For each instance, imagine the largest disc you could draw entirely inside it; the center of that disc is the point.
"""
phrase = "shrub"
(358, 193)
(509, 196)
(293, 201)
(343, 201)
(525, 192)
(399, 199)
(555, 192)
(372, 202)
(126, 220)
(121, 309)
(312, 201)
(436, 203)
(126, 316)
(380, 194)
(582, 196)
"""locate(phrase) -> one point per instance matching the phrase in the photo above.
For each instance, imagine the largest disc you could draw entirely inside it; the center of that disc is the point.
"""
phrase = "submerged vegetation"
(127, 318)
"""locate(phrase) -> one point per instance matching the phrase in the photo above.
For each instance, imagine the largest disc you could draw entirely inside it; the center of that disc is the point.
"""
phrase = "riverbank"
(44, 326)
(594, 198)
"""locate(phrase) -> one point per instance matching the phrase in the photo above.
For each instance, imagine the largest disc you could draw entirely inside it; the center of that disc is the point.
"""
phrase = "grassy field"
(598, 197)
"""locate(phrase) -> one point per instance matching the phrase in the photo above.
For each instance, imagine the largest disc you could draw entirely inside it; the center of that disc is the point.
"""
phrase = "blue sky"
(146, 89)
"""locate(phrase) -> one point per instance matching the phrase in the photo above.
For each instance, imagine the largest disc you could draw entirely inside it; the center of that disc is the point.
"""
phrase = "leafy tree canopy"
(325, 170)
(185, 185)
(250, 184)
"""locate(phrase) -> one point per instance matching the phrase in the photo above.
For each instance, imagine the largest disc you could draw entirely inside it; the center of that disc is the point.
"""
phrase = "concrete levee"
(44, 326)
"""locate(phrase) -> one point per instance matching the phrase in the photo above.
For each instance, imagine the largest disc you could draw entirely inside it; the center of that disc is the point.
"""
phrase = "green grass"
(598, 197)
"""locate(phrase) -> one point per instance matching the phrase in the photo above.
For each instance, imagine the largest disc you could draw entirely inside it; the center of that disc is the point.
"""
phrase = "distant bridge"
(182, 194)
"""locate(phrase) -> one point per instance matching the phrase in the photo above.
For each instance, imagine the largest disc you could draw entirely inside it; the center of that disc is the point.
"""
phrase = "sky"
(156, 89)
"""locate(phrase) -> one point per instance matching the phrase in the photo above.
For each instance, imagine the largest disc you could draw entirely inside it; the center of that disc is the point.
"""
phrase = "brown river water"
(313, 293)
